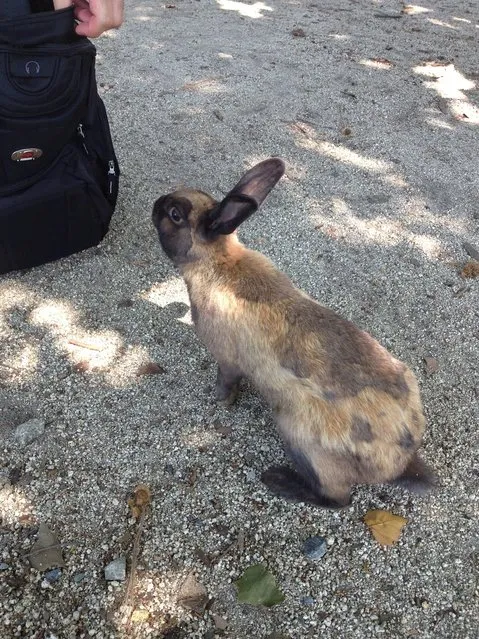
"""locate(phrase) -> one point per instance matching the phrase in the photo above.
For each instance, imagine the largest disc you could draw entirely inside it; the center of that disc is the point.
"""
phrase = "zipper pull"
(81, 133)
(111, 176)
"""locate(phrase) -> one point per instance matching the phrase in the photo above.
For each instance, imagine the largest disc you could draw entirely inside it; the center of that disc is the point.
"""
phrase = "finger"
(84, 15)
(91, 28)
(81, 4)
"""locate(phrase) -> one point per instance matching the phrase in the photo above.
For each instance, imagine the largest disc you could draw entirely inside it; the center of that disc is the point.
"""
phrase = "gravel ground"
(376, 114)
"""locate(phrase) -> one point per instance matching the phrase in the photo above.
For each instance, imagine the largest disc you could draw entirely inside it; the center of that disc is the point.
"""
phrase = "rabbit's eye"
(175, 216)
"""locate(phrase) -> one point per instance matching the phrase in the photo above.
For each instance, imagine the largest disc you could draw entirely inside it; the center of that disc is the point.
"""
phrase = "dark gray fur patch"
(356, 361)
(330, 396)
(361, 430)
(406, 440)
(291, 361)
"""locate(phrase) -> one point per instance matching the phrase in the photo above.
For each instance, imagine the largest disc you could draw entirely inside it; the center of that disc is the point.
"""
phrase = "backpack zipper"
(81, 133)
(111, 176)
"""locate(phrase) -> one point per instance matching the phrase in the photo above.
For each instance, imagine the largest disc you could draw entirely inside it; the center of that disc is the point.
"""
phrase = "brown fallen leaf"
(82, 367)
(298, 33)
(220, 622)
(140, 499)
(150, 368)
(431, 365)
(193, 595)
(470, 269)
(385, 527)
(46, 552)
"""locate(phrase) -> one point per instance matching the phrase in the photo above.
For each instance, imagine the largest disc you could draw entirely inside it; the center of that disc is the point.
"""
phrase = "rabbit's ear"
(245, 198)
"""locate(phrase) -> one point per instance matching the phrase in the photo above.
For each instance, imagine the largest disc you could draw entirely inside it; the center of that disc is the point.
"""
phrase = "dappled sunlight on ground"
(450, 84)
(244, 9)
(381, 231)
(376, 63)
(102, 353)
(167, 292)
(154, 605)
(307, 137)
(441, 23)
(14, 506)
(205, 85)
(198, 438)
(414, 9)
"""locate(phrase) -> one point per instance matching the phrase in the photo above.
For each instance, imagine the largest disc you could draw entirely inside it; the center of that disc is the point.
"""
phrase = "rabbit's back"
(312, 365)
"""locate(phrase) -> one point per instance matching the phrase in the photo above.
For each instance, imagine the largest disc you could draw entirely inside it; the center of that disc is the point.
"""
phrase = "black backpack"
(58, 170)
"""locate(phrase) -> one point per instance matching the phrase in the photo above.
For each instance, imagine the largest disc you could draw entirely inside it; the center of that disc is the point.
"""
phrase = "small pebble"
(308, 601)
(4, 566)
(53, 575)
(79, 577)
(29, 431)
(315, 547)
(116, 570)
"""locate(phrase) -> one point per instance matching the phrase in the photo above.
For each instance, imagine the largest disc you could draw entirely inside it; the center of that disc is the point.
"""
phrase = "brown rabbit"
(349, 412)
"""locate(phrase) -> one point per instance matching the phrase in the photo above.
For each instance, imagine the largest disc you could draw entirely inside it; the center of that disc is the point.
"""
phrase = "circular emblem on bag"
(32, 67)
(22, 155)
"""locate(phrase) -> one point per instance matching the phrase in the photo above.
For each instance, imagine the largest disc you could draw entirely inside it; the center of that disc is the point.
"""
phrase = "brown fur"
(349, 411)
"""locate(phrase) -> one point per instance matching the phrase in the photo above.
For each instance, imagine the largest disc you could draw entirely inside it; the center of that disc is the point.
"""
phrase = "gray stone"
(116, 570)
(315, 547)
(53, 575)
(471, 250)
(29, 431)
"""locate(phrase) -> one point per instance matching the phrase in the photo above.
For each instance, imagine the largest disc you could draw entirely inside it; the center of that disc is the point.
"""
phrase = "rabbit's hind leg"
(304, 483)
(227, 384)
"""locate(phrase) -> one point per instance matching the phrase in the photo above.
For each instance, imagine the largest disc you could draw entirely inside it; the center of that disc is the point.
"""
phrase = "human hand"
(97, 16)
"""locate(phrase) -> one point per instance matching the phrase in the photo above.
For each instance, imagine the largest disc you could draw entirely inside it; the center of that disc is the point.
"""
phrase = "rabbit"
(348, 411)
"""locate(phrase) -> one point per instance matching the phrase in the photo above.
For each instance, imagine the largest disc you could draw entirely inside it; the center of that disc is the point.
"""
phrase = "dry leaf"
(470, 269)
(193, 595)
(46, 551)
(141, 498)
(385, 527)
(140, 616)
(431, 365)
(220, 622)
(150, 368)
(82, 367)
